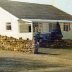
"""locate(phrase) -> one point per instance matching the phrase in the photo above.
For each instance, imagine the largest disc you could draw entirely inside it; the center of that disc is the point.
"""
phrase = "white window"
(66, 27)
(25, 28)
(8, 26)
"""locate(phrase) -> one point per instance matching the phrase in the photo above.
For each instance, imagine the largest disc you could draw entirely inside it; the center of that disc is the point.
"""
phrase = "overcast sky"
(65, 5)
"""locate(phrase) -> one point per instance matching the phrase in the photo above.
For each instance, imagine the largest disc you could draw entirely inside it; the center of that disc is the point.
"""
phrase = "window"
(52, 26)
(8, 26)
(35, 26)
(29, 28)
(66, 27)
(25, 28)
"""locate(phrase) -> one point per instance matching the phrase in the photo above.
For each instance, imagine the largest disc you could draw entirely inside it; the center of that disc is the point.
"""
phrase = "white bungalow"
(19, 19)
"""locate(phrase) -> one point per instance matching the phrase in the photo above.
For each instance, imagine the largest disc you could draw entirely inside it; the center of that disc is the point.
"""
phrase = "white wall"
(7, 17)
(24, 31)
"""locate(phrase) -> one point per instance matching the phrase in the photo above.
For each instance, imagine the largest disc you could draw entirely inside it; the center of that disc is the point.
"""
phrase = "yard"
(48, 60)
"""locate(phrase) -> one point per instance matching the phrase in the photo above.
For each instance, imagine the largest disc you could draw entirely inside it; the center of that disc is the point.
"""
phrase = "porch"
(46, 32)
(45, 28)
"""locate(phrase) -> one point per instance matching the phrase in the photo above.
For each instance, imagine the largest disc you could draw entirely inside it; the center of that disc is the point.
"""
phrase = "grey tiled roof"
(34, 11)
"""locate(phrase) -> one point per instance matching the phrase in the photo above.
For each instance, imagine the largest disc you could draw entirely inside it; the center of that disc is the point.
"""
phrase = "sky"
(65, 5)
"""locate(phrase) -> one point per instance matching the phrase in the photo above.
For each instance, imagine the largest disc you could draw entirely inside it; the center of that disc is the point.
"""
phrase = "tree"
(56, 34)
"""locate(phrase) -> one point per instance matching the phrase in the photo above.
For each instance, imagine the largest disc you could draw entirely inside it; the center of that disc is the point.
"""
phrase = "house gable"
(8, 23)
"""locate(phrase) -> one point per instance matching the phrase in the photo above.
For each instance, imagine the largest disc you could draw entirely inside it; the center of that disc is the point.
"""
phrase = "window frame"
(26, 28)
(66, 27)
(29, 28)
(8, 26)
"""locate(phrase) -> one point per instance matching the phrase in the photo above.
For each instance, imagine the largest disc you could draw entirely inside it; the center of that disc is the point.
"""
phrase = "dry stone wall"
(10, 43)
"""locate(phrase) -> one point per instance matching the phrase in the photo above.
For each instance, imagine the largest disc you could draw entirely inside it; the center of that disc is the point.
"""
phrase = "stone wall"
(10, 43)
(64, 43)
